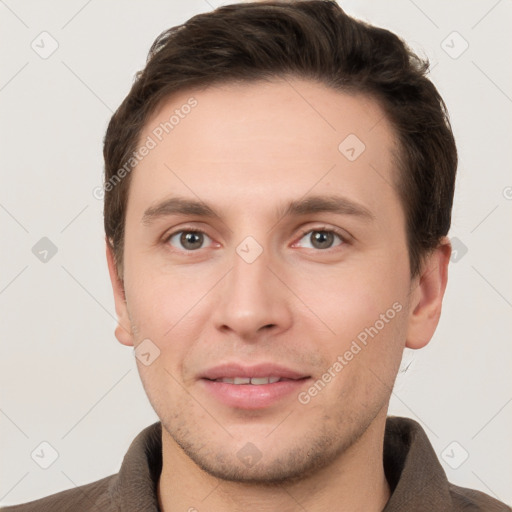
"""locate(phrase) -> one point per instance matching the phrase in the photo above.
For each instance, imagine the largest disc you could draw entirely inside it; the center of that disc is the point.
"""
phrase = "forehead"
(264, 138)
(271, 109)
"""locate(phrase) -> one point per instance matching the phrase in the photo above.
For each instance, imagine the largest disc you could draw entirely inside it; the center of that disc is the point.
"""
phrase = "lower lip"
(251, 396)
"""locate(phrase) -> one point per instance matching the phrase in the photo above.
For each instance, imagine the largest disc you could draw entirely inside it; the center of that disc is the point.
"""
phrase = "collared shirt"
(417, 481)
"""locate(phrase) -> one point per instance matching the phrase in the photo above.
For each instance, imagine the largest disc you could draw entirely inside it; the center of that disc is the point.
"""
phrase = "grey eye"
(321, 239)
(188, 240)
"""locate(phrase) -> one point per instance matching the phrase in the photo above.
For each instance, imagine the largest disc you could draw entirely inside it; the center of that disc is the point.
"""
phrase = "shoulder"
(470, 500)
(93, 496)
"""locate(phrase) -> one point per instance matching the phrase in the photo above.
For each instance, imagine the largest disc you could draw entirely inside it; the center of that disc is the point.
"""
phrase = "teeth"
(248, 380)
(260, 380)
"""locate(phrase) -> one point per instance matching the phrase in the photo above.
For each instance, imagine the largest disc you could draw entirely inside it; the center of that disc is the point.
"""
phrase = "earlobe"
(427, 297)
(123, 330)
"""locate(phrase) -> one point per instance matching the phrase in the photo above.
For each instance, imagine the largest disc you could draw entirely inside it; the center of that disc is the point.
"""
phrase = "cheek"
(168, 308)
(157, 298)
(348, 299)
(365, 312)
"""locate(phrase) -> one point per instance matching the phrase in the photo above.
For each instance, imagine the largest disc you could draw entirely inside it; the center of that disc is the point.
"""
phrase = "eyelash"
(304, 232)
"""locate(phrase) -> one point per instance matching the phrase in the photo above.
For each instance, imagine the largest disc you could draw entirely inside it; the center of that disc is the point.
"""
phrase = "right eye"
(188, 240)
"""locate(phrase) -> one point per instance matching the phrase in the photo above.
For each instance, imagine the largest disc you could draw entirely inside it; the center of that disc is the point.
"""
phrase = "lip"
(231, 370)
(250, 396)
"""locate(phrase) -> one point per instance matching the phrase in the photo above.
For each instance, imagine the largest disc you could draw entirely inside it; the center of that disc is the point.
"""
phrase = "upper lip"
(232, 370)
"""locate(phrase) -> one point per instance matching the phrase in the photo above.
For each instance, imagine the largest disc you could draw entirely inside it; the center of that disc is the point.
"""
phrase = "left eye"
(321, 238)
(189, 240)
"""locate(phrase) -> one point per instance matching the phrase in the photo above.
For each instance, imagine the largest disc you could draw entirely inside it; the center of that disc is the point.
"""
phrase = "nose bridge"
(250, 261)
(249, 281)
(251, 296)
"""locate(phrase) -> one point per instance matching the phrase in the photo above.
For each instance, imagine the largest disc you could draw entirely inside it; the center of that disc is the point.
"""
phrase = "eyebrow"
(313, 204)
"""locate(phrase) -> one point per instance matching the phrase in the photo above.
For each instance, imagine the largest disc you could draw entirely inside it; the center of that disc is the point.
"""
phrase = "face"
(265, 240)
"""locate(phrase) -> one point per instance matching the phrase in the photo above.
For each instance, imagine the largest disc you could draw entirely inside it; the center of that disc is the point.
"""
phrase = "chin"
(269, 466)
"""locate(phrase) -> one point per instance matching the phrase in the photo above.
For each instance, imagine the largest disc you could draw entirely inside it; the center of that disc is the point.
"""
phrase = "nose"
(253, 301)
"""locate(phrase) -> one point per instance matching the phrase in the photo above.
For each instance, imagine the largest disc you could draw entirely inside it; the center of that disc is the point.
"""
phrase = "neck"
(355, 481)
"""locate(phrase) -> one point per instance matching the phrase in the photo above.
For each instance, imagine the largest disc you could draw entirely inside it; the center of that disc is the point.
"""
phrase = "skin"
(246, 150)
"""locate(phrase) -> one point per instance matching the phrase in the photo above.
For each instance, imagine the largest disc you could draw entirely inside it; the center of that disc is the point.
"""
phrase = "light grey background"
(64, 377)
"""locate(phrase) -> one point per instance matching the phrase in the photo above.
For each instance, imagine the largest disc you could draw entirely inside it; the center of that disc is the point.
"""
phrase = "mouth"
(256, 381)
(252, 387)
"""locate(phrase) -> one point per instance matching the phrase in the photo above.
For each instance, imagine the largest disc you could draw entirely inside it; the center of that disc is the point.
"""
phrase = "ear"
(123, 330)
(427, 296)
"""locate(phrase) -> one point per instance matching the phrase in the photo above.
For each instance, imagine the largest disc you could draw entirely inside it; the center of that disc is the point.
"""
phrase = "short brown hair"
(311, 39)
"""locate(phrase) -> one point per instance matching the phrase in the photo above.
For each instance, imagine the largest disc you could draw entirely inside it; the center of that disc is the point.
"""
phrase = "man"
(278, 191)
